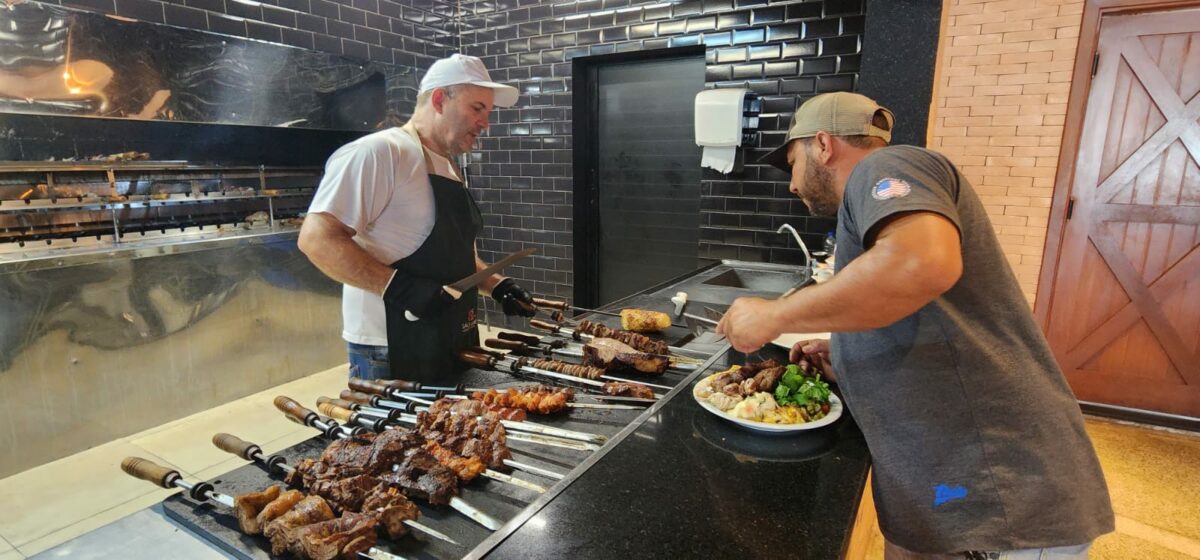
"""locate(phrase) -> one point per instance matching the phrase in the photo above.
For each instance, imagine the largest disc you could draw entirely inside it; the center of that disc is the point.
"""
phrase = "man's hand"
(422, 297)
(514, 299)
(816, 351)
(750, 323)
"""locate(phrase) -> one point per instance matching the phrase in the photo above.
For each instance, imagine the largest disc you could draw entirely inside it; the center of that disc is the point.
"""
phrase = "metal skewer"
(159, 475)
(577, 335)
(447, 390)
(433, 396)
(522, 426)
(395, 412)
(503, 361)
(379, 424)
(277, 464)
(298, 413)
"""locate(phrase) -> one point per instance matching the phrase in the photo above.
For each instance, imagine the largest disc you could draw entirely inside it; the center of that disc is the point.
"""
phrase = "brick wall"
(1003, 76)
(522, 173)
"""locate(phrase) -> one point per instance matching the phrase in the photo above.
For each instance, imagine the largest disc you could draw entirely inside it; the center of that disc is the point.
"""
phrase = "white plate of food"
(788, 340)
(761, 411)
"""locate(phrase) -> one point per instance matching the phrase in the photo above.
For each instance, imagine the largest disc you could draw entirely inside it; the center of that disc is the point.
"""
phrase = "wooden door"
(1123, 316)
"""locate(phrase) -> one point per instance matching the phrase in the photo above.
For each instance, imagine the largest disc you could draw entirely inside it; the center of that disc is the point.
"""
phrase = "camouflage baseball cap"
(841, 114)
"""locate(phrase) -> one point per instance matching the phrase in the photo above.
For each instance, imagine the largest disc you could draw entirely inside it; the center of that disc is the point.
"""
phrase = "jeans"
(1073, 552)
(369, 362)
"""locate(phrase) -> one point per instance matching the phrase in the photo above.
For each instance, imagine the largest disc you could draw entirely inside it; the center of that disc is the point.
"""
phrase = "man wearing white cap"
(394, 223)
(978, 446)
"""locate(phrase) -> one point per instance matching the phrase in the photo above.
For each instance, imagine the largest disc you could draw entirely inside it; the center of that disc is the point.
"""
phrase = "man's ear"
(438, 99)
(824, 146)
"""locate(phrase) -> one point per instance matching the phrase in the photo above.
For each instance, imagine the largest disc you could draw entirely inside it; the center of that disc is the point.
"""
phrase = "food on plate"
(642, 320)
(768, 392)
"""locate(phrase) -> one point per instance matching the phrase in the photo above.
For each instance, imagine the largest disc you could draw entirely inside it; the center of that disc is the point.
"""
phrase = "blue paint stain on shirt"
(943, 494)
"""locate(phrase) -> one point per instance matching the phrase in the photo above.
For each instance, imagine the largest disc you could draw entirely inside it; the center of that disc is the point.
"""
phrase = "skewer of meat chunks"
(375, 388)
(277, 465)
(641, 361)
(377, 406)
(554, 369)
(418, 469)
(304, 526)
(457, 391)
(466, 466)
(587, 330)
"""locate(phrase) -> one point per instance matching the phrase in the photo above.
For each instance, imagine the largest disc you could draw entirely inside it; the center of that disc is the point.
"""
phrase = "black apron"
(425, 350)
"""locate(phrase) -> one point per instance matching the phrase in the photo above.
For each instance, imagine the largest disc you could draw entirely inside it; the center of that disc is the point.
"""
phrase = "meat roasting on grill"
(610, 353)
(635, 340)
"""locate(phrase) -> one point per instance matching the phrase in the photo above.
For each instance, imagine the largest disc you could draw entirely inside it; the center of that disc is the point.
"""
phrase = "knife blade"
(455, 289)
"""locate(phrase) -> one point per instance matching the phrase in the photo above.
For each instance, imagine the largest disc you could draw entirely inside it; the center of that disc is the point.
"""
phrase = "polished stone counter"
(686, 484)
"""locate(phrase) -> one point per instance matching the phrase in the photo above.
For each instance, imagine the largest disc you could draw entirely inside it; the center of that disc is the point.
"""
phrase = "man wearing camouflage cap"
(978, 444)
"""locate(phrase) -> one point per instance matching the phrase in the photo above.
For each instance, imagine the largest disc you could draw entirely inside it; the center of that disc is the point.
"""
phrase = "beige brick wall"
(1003, 74)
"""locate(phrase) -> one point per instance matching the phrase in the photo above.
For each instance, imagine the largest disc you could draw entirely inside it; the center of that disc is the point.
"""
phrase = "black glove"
(514, 299)
(420, 296)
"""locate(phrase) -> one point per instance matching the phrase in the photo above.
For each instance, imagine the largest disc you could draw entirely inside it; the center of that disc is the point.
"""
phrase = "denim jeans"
(368, 362)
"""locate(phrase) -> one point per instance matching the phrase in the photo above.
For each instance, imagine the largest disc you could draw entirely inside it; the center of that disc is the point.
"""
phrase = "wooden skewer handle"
(339, 402)
(295, 410)
(150, 471)
(233, 444)
(355, 397)
(518, 337)
(539, 324)
(505, 344)
(368, 386)
(401, 384)
(550, 303)
(335, 412)
(476, 359)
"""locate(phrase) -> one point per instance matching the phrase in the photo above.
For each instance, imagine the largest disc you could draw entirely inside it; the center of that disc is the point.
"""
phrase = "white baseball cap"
(465, 69)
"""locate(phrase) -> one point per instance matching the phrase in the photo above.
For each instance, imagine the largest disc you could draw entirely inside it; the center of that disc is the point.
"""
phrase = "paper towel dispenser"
(725, 119)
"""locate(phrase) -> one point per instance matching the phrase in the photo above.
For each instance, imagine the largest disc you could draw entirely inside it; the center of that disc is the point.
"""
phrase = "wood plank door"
(1124, 311)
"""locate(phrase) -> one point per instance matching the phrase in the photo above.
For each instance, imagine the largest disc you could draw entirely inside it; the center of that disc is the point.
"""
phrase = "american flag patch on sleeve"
(890, 188)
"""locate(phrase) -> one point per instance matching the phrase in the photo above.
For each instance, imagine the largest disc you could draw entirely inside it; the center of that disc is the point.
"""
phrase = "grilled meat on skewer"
(469, 436)
(539, 399)
(609, 353)
(343, 537)
(392, 456)
(465, 468)
(475, 407)
(586, 372)
(622, 389)
(312, 509)
(637, 341)
(247, 507)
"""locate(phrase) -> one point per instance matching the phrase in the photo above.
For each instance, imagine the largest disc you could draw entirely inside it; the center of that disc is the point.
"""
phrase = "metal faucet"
(803, 247)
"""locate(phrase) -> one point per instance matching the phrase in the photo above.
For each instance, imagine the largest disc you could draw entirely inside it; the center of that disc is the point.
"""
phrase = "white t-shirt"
(379, 186)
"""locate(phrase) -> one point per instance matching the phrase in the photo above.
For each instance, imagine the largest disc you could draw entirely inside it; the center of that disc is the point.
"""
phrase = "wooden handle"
(476, 359)
(233, 444)
(552, 304)
(505, 344)
(368, 386)
(539, 324)
(355, 397)
(343, 403)
(401, 384)
(528, 308)
(526, 339)
(150, 471)
(335, 412)
(294, 410)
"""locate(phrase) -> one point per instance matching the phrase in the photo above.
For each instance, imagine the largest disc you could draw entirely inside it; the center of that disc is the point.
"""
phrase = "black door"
(638, 203)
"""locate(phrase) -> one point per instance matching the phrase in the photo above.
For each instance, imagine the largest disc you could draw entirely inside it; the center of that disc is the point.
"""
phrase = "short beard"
(819, 193)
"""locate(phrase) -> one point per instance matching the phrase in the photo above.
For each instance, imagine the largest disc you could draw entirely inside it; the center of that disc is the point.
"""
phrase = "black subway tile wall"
(784, 51)
(403, 32)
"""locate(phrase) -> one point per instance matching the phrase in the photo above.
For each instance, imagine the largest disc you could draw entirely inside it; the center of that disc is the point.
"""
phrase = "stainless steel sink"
(756, 280)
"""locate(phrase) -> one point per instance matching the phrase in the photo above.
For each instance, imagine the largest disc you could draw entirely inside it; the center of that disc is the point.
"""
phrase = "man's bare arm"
(329, 244)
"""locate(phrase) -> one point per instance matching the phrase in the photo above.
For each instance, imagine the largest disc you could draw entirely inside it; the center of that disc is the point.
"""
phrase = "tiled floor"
(1152, 475)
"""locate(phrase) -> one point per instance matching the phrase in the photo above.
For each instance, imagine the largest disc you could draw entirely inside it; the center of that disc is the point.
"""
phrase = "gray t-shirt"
(977, 441)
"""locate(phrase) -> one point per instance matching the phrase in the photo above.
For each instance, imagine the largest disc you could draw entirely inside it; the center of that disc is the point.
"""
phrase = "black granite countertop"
(686, 484)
